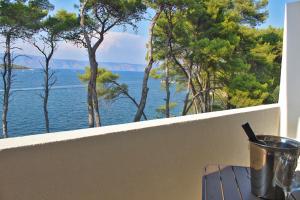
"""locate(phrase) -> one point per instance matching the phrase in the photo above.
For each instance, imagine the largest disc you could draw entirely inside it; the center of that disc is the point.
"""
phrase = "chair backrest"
(289, 98)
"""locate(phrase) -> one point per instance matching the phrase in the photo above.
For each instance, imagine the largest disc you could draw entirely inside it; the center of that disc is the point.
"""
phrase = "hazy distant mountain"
(34, 63)
(16, 67)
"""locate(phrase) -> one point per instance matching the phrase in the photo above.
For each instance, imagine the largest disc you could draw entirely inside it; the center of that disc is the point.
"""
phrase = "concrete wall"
(290, 75)
(152, 160)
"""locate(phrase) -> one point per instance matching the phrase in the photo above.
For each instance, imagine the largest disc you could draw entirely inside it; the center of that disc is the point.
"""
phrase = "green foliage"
(245, 91)
(56, 26)
(216, 44)
(19, 18)
(161, 110)
(252, 12)
(123, 9)
(160, 72)
(53, 29)
(106, 87)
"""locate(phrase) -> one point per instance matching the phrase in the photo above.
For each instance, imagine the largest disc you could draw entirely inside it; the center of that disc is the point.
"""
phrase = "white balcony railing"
(159, 159)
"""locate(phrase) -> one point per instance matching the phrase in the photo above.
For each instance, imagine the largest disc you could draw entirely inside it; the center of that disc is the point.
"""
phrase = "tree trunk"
(4, 114)
(228, 104)
(45, 105)
(6, 75)
(167, 92)
(47, 85)
(46, 96)
(92, 91)
(196, 98)
(185, 105)
(91, 120)
(125, 92)
(92, 98)
(208, 89)
(48, 76)
(148, 68)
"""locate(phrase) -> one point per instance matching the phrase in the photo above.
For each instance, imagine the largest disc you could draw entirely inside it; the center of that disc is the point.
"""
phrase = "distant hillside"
(16, 67)
(34, 63)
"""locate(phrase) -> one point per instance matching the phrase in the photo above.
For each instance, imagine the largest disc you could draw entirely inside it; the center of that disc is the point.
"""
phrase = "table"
(229, 183)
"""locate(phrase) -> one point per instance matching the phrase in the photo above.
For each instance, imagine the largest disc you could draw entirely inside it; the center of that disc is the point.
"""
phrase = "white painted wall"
(151, 160)
(290, 76)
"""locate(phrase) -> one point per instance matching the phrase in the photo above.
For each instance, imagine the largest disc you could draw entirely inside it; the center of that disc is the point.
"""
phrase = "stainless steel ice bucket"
(263, 161)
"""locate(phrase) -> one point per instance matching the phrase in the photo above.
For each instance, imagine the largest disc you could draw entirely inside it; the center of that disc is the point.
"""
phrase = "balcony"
(151, 160)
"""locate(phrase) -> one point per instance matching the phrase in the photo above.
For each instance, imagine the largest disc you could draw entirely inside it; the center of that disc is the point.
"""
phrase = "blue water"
(67, 102)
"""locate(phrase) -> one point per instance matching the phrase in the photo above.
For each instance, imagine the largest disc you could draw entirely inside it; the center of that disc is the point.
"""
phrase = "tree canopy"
(219, 54)
(19, 18)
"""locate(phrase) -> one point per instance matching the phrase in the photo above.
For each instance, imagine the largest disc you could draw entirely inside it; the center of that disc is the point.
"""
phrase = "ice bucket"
(263, 162)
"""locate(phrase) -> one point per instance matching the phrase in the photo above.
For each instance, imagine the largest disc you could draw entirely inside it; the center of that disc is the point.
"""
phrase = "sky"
(130, 46)
(276, 13)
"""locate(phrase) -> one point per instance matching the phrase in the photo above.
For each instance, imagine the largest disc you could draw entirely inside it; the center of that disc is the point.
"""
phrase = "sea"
(67, 102)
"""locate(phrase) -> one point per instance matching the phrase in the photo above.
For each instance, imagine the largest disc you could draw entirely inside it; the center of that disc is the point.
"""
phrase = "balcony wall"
(152, 160)
(290, 71)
